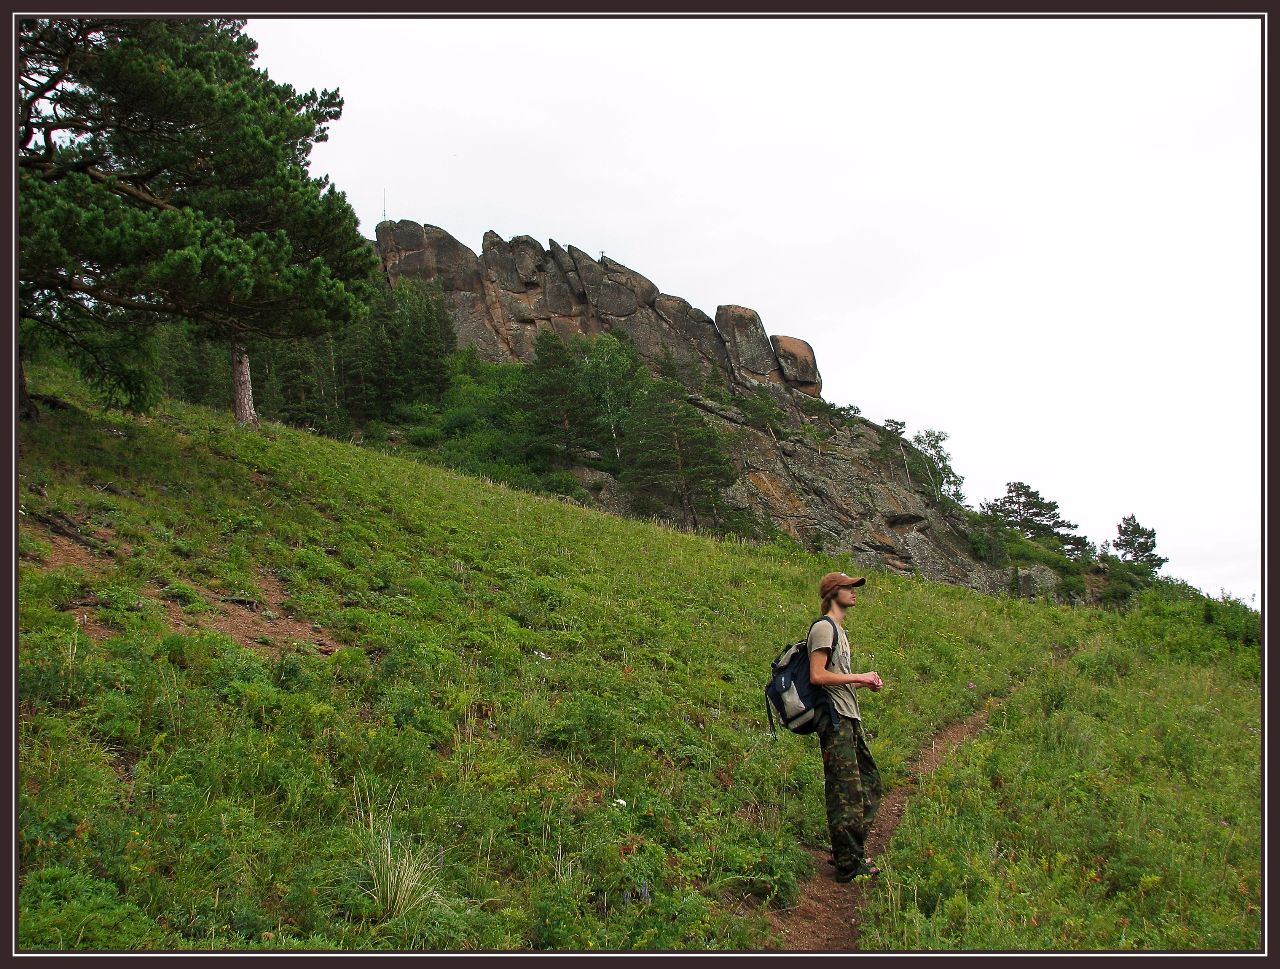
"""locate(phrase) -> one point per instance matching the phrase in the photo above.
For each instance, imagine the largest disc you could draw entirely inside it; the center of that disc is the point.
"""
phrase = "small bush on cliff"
(841, 415)
(931, 464)
(988, 540)
(762, 411)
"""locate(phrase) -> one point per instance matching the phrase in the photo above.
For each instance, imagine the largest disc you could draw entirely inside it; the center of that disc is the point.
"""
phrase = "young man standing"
(852, 780)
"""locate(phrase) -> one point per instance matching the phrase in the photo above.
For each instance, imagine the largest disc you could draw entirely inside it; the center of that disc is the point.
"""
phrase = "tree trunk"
(27, 410)
(685, 498)
(243, 386)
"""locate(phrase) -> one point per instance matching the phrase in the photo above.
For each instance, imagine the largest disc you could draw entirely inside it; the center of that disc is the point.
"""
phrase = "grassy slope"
(513, 668)
(1114, 803)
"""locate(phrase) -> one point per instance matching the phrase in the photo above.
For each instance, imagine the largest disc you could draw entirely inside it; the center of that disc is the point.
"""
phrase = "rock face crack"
(903, 522)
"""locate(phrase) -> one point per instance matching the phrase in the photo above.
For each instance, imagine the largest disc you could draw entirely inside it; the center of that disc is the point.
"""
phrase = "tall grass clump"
(403, 878)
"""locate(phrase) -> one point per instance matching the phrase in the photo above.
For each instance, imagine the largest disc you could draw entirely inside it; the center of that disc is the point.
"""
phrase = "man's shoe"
(863, 870)
(831, 861)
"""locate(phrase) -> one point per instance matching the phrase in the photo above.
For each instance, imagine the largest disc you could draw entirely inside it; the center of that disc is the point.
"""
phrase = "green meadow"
(543, 727)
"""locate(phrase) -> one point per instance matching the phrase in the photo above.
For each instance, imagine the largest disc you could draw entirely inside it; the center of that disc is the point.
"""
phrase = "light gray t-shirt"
(842, 696)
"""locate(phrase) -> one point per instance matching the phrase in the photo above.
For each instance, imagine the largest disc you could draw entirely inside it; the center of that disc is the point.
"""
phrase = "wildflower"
(620, 803)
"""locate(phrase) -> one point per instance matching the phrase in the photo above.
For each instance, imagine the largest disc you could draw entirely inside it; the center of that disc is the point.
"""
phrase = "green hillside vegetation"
(543, 726)
(397, 382)
(1115, 803)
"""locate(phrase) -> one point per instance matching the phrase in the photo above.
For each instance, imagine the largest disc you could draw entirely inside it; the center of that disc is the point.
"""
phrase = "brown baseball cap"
(836, 580)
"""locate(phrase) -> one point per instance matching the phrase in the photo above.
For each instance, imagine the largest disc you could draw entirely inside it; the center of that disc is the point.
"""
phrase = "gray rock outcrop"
(501, 298)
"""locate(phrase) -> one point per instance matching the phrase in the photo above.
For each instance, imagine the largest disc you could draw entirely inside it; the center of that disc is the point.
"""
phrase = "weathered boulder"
(471, 315)
(529, 258)
(1033, 580)
(396, 238)
(523, 309)
(499, 265)
(614, 299)
(589, 271)
(798, 364)
(429, 252)
(645, 292)
(561, 258)
(604, 490)
(563, 265)
(692, 329)
(749, 346)
(653, 340)
(558, 294)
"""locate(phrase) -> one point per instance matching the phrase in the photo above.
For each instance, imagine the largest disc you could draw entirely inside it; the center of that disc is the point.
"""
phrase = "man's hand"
(873, 680)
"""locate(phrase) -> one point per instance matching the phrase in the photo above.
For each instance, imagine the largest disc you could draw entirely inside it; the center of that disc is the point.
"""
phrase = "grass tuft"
(403, 878)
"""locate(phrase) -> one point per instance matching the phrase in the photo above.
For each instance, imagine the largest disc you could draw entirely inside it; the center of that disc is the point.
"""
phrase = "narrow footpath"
(828, 915)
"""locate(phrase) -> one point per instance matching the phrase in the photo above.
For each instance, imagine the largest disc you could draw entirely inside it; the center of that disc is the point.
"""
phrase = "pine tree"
(550, 397)
(676, 460)
(421, 338)
(1024, 509)
(1138, 545)
(161, 176)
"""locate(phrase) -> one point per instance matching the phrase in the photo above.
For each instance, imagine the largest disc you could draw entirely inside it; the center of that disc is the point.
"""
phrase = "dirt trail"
(827, 918)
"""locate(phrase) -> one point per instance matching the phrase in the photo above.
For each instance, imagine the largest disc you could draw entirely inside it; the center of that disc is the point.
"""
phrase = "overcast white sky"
(1040, 236)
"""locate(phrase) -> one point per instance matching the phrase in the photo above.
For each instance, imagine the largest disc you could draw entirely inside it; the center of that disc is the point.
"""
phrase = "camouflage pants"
(853, 786)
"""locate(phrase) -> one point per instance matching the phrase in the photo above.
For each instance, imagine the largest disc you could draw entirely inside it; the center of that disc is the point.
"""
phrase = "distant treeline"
(397, 380)
(334, 383)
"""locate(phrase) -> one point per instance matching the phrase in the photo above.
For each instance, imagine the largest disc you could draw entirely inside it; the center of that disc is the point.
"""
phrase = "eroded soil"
(261, 623)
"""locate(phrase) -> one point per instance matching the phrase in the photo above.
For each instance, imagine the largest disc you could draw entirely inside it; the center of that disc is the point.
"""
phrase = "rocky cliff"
(501, 298)
(829, 483)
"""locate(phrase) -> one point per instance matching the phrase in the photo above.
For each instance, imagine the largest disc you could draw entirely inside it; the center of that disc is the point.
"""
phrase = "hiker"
(852, 780)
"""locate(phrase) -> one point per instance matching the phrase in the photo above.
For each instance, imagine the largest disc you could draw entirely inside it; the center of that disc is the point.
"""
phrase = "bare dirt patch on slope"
(262, 623)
